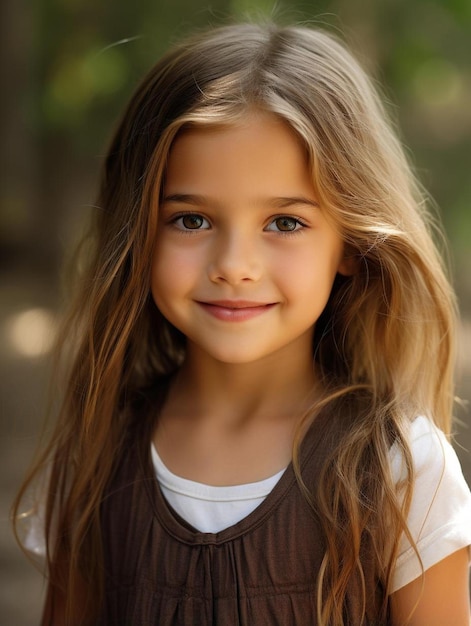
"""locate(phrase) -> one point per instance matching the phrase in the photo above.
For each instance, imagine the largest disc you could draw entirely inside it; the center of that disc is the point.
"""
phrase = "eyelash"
(300, 225)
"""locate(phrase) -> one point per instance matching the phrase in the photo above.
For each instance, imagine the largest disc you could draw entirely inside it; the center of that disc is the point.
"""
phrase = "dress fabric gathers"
(262, 571)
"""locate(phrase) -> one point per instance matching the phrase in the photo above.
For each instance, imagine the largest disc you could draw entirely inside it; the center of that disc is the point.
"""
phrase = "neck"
(231, 424)
(279, 386)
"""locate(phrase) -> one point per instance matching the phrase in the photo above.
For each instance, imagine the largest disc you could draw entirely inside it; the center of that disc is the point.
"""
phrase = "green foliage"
(78, 82)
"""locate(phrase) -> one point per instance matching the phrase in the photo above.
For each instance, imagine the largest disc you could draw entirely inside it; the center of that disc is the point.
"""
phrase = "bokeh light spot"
(31, 333)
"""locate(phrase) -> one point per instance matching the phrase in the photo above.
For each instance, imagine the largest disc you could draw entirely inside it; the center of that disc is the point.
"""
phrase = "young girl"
(253, 427)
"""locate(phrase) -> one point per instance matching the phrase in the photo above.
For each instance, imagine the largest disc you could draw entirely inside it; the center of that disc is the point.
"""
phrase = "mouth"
(235, 310)
(236, 304)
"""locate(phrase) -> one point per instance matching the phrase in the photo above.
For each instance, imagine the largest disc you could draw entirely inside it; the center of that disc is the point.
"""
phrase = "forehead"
(255, 125)
(261, 147)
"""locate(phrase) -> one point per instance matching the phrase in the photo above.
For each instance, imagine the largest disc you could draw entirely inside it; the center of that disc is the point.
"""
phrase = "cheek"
(173, 273)
(308, 271)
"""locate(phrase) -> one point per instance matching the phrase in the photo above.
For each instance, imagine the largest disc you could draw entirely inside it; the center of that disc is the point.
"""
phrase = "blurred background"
(68, 67)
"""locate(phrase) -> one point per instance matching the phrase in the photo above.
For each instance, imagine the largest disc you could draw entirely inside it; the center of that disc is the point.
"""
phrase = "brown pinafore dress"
(262, 571)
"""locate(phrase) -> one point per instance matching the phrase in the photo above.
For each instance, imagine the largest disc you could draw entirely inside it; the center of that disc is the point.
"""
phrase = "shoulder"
(435, 463)
(432, 453)
(439, 518)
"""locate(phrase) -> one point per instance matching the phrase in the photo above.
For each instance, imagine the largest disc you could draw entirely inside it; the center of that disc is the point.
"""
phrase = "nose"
(235, 258)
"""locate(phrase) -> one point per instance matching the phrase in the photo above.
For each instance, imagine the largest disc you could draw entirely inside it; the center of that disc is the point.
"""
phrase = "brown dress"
(262, 571)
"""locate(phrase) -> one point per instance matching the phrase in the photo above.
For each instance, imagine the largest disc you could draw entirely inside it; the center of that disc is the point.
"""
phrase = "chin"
(238, 355)
(234, 358)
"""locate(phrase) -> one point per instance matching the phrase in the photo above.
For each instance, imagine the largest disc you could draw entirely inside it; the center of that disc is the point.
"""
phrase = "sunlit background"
(68, 67)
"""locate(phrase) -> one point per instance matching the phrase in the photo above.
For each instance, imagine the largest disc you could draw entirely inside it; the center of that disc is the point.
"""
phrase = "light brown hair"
(384, 342)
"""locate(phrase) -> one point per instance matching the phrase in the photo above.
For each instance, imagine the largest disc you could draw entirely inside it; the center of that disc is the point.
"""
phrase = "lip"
(235, 310)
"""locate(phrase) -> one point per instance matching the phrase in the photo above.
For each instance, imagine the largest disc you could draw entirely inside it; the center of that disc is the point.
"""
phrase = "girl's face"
(244, 259)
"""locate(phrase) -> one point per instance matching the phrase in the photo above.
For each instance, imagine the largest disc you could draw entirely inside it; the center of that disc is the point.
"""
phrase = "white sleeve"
(440, 515)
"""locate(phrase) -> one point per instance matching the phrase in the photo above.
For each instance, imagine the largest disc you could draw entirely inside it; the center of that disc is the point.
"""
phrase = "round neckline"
(181, 530)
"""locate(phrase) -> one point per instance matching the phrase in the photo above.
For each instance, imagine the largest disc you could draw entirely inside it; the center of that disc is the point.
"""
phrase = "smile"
(235, 310)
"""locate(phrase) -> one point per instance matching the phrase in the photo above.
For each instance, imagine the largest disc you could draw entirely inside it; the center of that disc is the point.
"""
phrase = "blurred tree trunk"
(18, 147)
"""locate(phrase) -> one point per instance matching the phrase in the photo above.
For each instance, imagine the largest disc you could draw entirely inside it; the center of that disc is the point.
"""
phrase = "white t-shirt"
(439, 518)
(207, 508)
(440, 515)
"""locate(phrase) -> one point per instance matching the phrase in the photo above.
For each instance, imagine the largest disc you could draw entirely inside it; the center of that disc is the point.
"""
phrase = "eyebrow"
(281, 202)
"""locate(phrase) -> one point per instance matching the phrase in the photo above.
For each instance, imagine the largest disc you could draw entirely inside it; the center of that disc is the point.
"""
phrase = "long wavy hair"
(384, 342)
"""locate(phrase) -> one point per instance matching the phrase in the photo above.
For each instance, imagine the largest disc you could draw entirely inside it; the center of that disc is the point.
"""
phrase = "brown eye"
(191, 221)
(284, 224)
